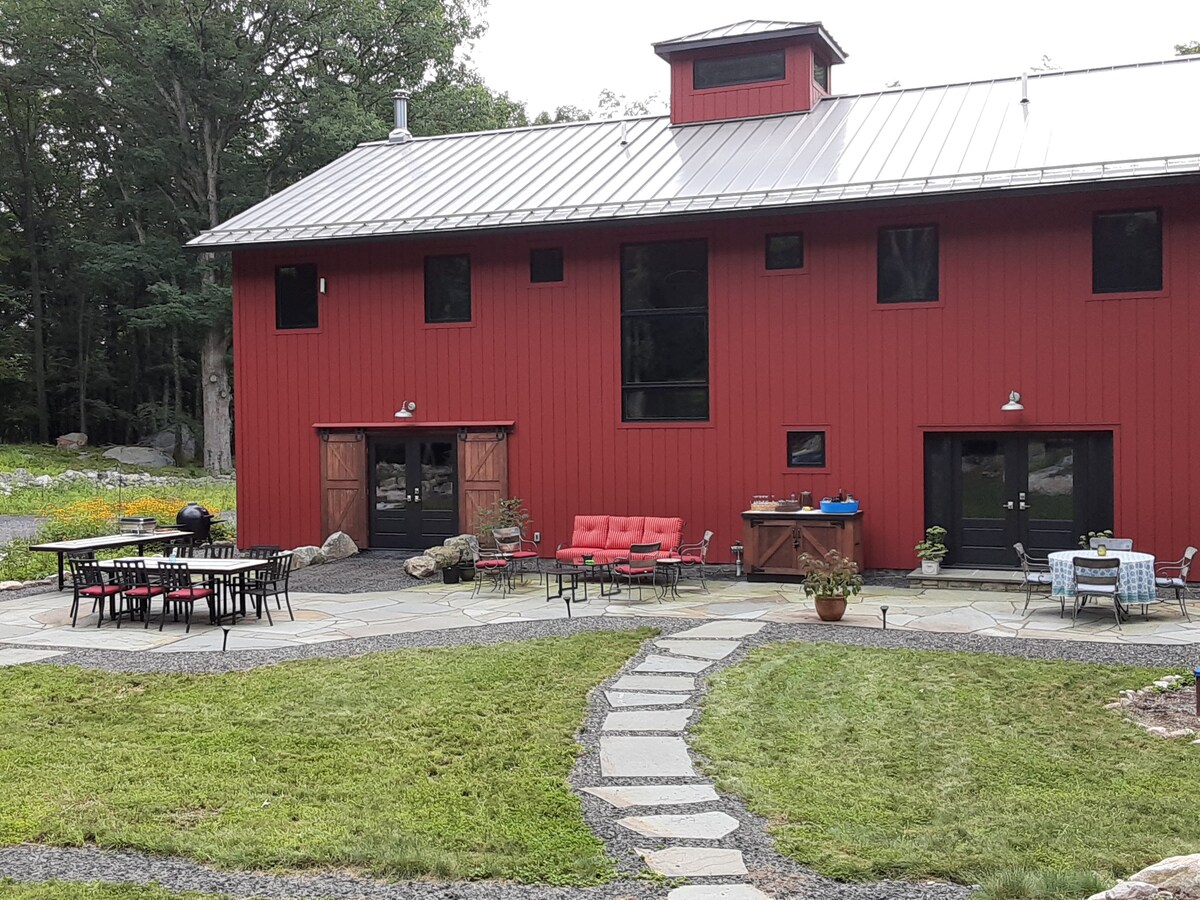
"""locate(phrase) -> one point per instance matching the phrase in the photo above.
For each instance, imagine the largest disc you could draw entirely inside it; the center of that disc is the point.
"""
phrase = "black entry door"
(1040, 488)
(413, 492)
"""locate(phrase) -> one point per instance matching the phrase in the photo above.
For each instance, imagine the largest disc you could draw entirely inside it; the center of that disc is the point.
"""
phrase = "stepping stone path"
(643, 739)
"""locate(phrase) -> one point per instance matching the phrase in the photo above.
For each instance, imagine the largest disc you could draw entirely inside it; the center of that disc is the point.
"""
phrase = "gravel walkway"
(371, 570)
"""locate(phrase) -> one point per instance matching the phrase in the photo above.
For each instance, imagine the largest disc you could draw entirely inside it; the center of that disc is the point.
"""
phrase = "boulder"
(1128, 890)
(165, 441)
(420, 566)
(467, 546)
(150, 457)
(308, 555)
(42, 481)
(444, 557)
(1178, 874)
(11, 585)
(74, 440)
(338, 545)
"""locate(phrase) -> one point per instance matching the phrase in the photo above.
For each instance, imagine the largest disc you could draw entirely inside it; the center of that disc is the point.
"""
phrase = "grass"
(41, 459)
(70, 890)
(448, 762)
(974, 768)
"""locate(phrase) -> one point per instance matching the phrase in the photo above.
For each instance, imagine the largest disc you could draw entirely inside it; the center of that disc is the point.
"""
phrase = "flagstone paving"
(642, 757)
(704, 649)
(648, 720)
(672, 664)
(655, 683)
(717, 892)
(655, 795)
(691, 826)
(697, 862)
(626, 698)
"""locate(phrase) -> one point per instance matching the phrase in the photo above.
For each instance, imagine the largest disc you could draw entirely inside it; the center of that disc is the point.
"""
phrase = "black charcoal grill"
(196, 519)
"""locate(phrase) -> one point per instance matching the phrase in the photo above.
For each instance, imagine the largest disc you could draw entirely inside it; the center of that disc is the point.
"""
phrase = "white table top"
(200, 566)
(108, 541)
(1125, 556)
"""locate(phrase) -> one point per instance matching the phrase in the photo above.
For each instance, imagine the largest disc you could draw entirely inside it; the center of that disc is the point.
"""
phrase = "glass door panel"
(1049, 501)
(985, 519)
(390, 498)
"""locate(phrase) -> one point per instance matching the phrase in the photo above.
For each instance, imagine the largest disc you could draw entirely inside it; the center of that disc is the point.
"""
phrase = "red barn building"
(774, 289)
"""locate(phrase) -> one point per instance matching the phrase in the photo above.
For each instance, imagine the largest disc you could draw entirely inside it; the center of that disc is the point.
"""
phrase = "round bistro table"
(1135, 578)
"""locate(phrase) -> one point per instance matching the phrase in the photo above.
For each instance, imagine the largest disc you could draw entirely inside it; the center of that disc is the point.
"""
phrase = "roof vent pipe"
(400, 133)
(1024, 87)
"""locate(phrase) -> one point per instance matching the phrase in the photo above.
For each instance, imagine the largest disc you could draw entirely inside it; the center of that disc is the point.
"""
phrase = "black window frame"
(767, 264)
(735, 81)
(882, 260)
(630, 317)
(558, 265)
(823, 432)
(1105, 256)
(821, 74)
(431, 304)
(283, 303)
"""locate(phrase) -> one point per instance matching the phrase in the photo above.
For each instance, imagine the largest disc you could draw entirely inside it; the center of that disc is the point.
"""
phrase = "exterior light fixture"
(1013, 404)
(406, 410)
(884, 610)
(737, 550)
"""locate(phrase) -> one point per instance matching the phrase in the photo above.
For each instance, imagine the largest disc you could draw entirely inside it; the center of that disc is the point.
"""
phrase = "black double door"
(991, 490)
(413, 499)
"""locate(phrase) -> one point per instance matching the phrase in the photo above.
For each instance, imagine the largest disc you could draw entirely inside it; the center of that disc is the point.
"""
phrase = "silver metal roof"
(1100, 125)
(748, 31)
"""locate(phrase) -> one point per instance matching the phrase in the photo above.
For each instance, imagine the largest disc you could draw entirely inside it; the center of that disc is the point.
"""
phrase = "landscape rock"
(151, 457)
(444, 557)
(1128, 890)
(74, 440)
(305, 556)
(165, 441)
(338, 545)
(467, 546)
(11, 585)
(42, 481)
(1178, 874)
(420, 566)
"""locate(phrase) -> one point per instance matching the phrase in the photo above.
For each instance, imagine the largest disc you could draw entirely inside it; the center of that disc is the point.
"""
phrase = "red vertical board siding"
(794, 94)
(805, 349)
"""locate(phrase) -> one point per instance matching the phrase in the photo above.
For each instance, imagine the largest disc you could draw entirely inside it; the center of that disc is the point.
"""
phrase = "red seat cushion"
(690, 560)
(190, 594)
(624, 532)
(100, 591)
(524, 554)
(589, 531)
(668, 531)
(570, 554)
(491, 564)
(633, 570)
(144, 591)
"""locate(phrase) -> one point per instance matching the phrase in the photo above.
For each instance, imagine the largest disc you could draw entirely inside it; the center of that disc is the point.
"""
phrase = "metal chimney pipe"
(400, 133)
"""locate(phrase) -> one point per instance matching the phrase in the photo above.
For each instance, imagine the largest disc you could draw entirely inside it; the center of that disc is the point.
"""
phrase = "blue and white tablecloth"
(1136, 579)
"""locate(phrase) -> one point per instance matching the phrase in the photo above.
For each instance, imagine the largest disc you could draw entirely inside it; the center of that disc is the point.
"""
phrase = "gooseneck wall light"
(1013, 404)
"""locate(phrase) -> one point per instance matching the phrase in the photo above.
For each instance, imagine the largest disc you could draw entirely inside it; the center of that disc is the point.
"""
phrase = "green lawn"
(42, 459)
(69, 890)
(448, 762)
(893, 763)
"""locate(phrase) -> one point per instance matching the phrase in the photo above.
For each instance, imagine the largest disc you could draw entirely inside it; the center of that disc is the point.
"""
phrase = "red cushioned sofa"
(609, 537)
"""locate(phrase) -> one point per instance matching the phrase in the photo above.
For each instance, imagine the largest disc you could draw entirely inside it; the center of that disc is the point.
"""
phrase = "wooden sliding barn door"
(483, 473)
(344, 485)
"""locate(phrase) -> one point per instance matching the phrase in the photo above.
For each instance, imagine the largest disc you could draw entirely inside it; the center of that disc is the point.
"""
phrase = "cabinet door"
(774, 547)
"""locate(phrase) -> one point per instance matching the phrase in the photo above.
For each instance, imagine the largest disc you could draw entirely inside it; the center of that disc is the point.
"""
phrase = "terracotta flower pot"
(830, 609)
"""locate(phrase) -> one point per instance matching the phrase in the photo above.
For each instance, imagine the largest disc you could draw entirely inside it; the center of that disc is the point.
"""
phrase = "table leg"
(61, 582)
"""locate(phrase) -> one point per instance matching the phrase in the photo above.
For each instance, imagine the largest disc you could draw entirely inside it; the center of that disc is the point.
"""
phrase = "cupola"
(752, 68)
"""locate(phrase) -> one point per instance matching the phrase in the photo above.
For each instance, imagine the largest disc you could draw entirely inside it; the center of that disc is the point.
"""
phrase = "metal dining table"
(1135, 578)
(231, 572)
(108, 542)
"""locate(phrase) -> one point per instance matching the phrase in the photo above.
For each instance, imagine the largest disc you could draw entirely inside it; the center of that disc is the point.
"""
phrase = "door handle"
(1008, 505)
(1024, 505)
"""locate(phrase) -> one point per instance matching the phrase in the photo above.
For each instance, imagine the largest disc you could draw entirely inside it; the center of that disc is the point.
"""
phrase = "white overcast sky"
(549, 53)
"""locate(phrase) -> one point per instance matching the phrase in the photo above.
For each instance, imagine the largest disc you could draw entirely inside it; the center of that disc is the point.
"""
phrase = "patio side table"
(567, 588)
(670, 567)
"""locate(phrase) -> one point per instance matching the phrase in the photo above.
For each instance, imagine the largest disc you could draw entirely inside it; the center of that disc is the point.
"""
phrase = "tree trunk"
(82, 364)
(178, 416)
(214, 375)
(37, 312)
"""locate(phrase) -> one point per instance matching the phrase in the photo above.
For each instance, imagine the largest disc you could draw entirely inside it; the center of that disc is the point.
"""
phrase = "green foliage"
(506, 512)
(1031, 884)
(1188, 49)
(448, 763)
(831, 575)
(93, 890)
(906, 764)
(934, 546)
(1085, 540)
(42, 459)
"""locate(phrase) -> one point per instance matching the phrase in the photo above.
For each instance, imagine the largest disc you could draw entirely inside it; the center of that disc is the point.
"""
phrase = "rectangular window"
(296, 297)
(546, 265)
(448, 288)
(728, 70)
(908, 264)
(806, 449)
(821, 75)
(664, 331)
(785, 251)
(1127, 252)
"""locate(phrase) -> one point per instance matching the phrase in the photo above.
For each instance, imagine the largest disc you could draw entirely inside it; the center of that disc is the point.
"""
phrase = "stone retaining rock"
(109, 479)
(337, 546)
(444, 557)
(305, 556)
(74, 440)
(420, 566)
(150, 457)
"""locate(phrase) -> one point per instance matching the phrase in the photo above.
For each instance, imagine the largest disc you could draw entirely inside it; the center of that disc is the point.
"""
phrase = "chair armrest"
(532, 545)
(684, 548)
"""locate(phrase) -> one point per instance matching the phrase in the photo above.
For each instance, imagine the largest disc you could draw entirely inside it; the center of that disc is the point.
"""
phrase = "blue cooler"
(833, 506)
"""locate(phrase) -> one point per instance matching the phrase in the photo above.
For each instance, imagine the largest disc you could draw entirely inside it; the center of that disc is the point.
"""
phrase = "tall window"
(729, 70)
(296, 297)
(448, 288)
(664, 331)
(908, 264)
(1127, 252)
(821, 75)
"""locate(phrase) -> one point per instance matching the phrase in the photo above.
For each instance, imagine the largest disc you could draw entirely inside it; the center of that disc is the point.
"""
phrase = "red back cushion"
(669, 531)
(624, 532)
(590, 531)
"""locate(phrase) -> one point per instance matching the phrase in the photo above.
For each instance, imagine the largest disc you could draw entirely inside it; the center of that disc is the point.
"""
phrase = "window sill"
(1129, 295)
(775, 273)
(664, 423)
(283, 331)
(433, 326)
(807, 470)
(924, 304)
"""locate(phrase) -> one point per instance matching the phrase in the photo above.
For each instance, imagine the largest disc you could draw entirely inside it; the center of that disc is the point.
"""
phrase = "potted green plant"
(932, 550)
(829, 581)
(507, 512)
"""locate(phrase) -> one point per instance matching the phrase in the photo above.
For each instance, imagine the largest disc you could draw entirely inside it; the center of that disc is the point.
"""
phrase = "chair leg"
(267, 609)
(187, 618)
(1028, 594)
(75, 609)
(288, 600)
(1182, 605)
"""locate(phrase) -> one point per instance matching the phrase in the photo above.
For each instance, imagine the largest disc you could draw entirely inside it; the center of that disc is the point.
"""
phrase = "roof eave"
(667, 49)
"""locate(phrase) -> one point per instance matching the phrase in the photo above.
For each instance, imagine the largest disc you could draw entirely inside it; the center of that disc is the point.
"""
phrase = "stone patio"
(41, 621)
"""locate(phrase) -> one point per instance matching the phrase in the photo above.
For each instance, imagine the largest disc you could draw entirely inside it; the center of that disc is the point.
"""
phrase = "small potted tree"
(932, 550)
(829, 581)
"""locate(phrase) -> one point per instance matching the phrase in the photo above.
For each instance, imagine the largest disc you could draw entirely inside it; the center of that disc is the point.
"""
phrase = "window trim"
(908, 304)
(825, 469)
(541, 285)
(762, 262)
(315, 329)
(740, 85)
(707, 421)
(819, 63)
(447, 323)
(1162, 292)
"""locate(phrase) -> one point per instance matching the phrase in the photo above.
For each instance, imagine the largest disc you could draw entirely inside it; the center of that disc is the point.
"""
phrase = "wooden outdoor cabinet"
(774, 541)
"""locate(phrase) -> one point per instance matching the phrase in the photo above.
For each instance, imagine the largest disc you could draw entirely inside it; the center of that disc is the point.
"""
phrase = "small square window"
(1127, 252)
(821, 75)
(785, 251)
(448, 288)
(806, 449)
(908, 264)
(546, 265)
(296, 297)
